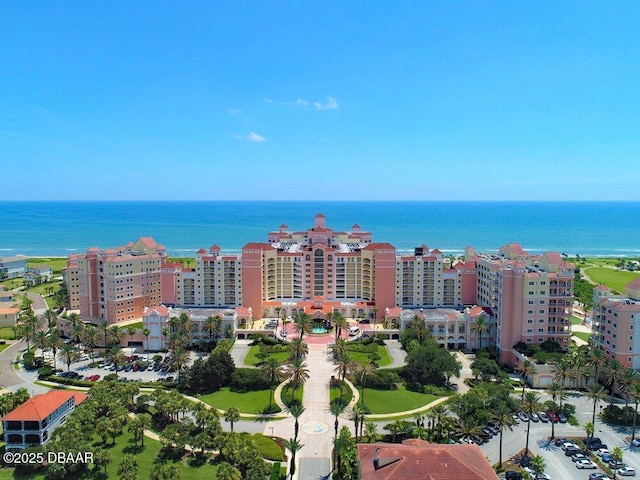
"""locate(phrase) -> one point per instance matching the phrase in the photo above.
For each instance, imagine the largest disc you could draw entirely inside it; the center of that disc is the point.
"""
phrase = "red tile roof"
(417, 459)
(634, 284)
(41, 406)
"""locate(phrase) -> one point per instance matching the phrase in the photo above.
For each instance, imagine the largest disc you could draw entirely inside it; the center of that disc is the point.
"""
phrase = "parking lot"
(137, 368)
(560, 466)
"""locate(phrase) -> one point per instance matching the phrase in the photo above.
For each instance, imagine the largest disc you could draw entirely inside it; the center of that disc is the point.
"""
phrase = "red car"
(553, 416)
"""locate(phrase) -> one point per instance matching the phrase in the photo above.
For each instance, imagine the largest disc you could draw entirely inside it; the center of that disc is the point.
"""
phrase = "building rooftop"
(41, 406)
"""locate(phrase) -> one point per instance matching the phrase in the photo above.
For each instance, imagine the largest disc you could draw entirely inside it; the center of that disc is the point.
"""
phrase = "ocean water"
(62, 228)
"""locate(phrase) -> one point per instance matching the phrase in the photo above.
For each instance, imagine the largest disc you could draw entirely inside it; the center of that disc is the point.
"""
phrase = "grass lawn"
(582, 336)
(6, 345)
(246, 402)
(7, 333)
(612, 278)
(362, 357)
(137, 326)
(576, 320)
(392, 401)
(147, 457)
(57, 264)
(347, 394)
(251, 358)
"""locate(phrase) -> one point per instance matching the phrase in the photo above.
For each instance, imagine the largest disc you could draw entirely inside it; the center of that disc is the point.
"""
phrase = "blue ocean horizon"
(61, 228)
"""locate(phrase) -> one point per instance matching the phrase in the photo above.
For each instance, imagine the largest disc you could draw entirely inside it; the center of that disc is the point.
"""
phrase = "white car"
(635, 442)
(585, 464)
(602, 451)
(627, 472)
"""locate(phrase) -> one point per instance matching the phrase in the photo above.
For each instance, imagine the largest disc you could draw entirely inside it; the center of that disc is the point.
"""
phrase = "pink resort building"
(116, 284)
(521, 297)
(616, 319)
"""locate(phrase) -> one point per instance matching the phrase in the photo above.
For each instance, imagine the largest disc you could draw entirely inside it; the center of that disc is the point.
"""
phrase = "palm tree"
(302, 323)
(146, 332)
(114, 335)
(55, 342)
(617, 455)
(298, 348)
(339, 323)
(555, 390)
(73, 320)
(503, 420)
(371, 431)
(479, 327)
(212, 326)
(179, 359)
(634, 394)
(131, 331)
(365, 370)
(613, 373)
(69, 354)
(440, 414)
(51, 318)
(336, 408)
(527, 369)
(294, 447)
(90, 338)
(272, 372)
(596, 361)
(128, 468)
(104, 327)
(299, 375)
(468, 426)
(296, 410)
(595, 392)
(530, 404)
(356, 414)
(115, 355)
(41, 341)
(538, 464)
(628, 377)
(232, 415)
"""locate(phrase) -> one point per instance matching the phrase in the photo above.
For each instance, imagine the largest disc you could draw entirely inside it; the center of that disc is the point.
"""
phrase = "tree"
(74, 321)
(298, 348)
(479, 327)
(336, 408)
(634, 394)
(299, 375)
(165, 472)
(294, 447)
(364, 371)
(596, 361)
(69, 354)
(527, 369)
(530, 404)
(597, 393)
(104, 328)
(116, 356)
(538, 464)
(371, 432)
(356, 414)
(232, 415)
(55, 342)
(617, 455)
(555, 390)
(273, 374)
(212, 326)
(131, 331)
(136, 429)
(114, 335)
(128, 468)
(146, 332)
(302, 323)
(296, 410)
(101, 459)
(41, 341)
(90, 338)
(503, 420)
(51, 317)
(613, 375)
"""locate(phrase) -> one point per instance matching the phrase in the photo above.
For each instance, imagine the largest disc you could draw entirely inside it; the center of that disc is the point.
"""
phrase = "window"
(529, 321)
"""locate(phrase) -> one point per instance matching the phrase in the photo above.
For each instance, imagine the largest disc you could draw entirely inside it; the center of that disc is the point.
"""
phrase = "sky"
(320, 100)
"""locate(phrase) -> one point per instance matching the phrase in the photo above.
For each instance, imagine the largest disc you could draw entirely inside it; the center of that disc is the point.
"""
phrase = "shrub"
(383, 380)
(532, 349)
(267, 448)
(247, 379)
(45, 371)
(551, 346)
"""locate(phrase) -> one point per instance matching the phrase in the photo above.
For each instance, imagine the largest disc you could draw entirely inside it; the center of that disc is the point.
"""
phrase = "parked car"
(523, 416)
(579, 456)
(516, 419)
(585, 464)
(614, 464)
(562, 418)
(541, 476)
(512, 475)
(571, 451)
(534, 417)
(607, 457)
(602, 451)
(568, 444)
(543, 417)
(635, 442)
(553, 416)
(627, 472)
(598, 476)
(559, 441)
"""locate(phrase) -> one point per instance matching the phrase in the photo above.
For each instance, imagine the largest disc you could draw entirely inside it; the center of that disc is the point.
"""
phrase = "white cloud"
(302, 103)
(251, 137)
(331, 104)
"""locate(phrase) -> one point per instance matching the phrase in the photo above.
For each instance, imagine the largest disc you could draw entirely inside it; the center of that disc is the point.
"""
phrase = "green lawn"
(251, 358)
(7, 333)
(576, 320)
(347, 394)
(612, 278)
(147, 457)
(582, 335)
(392, 401)
(3, 346)
(287, 394)
(57, 264)
(362, 357)
(247, 402)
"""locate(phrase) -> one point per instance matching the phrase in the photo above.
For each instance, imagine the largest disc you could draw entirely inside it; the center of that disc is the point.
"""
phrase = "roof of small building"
(41, 406)
(634, 284)
(418, 459)
(602, 288)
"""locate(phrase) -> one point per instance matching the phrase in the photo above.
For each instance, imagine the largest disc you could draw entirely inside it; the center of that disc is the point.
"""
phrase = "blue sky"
(331, 100)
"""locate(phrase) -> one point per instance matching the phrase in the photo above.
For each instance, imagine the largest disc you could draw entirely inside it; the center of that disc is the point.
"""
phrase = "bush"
(46, 371)
(383, 380)
(551, 346)
(267, 448)
(532, 349)
(247, 379)
(381, 337)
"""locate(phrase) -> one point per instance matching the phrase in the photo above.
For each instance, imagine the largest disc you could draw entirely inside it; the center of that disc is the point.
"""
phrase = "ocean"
(48, 229)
